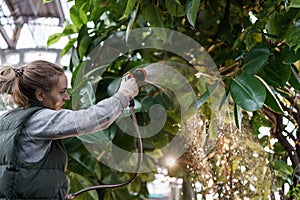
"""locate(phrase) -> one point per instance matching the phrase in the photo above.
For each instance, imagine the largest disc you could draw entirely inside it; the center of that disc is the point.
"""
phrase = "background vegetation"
(256, 47)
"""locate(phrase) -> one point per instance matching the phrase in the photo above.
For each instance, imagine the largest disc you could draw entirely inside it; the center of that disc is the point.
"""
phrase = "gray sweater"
(47, 125)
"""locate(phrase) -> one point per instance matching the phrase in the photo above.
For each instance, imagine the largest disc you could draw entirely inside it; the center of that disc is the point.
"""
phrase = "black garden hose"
(140, 157)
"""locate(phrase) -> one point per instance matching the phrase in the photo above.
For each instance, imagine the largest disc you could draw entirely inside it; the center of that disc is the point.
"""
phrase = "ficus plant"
(255, 46)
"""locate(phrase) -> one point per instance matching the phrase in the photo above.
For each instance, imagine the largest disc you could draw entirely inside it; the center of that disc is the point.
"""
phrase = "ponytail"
(9, 84)
(22, 83)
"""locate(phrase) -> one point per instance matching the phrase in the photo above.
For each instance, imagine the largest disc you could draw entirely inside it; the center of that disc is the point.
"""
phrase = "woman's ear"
(39, 95)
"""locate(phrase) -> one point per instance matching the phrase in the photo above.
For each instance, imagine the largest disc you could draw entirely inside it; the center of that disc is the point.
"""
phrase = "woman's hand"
(129, 87)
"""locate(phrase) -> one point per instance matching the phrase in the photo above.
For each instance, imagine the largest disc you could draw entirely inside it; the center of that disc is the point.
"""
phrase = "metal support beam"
(60, 12)
(22, 56)
(33, 8)
(21, 11)
(6, 38)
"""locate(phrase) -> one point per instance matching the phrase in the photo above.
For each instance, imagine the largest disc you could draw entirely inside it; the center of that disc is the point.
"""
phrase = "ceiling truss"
(26, 11)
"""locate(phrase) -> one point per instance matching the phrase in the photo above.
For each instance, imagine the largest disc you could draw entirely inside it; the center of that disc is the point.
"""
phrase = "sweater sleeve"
(57, 124)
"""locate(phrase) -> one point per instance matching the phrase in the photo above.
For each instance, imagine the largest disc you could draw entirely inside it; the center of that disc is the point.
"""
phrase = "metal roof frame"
(24, 11)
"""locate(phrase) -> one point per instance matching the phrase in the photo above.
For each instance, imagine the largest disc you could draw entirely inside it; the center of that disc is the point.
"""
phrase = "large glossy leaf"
(204, 97)
(79, 182)
(276, 73)
(135, 186)
(271, 77)
(87, 96)
(192, 11)
(83, 47)
(129, 8)
(238, 116)
(175, 8)
(295, 4)
(292, 37)
(72, 144)
(295, 79)
(119, 193)
(131, 22)
(283, 170)
(280, 21)
(290, 56)
(248, 92)
(201, 25)
(75, 17)
(271, 101)
(256, 59)
(152, 14)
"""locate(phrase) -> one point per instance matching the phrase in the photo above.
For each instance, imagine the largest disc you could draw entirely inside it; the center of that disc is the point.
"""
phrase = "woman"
(32, 156)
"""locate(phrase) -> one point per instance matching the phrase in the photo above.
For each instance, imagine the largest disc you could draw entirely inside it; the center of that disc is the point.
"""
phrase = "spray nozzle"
(139, 74)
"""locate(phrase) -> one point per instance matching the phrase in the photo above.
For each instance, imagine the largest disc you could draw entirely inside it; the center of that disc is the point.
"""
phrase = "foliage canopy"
(255, 46)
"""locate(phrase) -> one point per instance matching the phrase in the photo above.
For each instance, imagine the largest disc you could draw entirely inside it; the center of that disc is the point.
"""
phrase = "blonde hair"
(23, 82)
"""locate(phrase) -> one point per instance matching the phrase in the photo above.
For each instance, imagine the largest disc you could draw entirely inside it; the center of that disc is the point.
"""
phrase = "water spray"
(140, 75)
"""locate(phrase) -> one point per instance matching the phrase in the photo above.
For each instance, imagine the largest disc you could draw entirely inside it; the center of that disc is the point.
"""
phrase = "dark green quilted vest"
(45, 179)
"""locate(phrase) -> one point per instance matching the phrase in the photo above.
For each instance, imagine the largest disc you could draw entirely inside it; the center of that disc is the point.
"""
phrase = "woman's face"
(56, 98)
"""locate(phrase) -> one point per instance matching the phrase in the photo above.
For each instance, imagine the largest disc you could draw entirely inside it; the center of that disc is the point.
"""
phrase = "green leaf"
(238, 116)
(74, 62)
(47, 1)
(276, 66)
(129, 8)
(78, 3)
(207, 94)
(175, 9)
(97, 9)
(75, 17)
(113, 86)
(292, 37)
(83, 12)
(68, 46)
(283, 170)
(72, 144)
(271, 101)
(52, 39)
(79, 182)
(256, 59)
(203, 98)
(131, 22)
(85, 162)
(224, 30)
(294, 79)
(248, 92)
(283, 167)
(295, 4)
(70, 29)
(289, 55)
(135, 186)
(120, 193)
(192, 11)
(258, 120)
(280, 21)
(96, 138)
(271, 77)
(253, 38)
(87, 95)
(276, 73)
(152, 14)
(83, 46)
